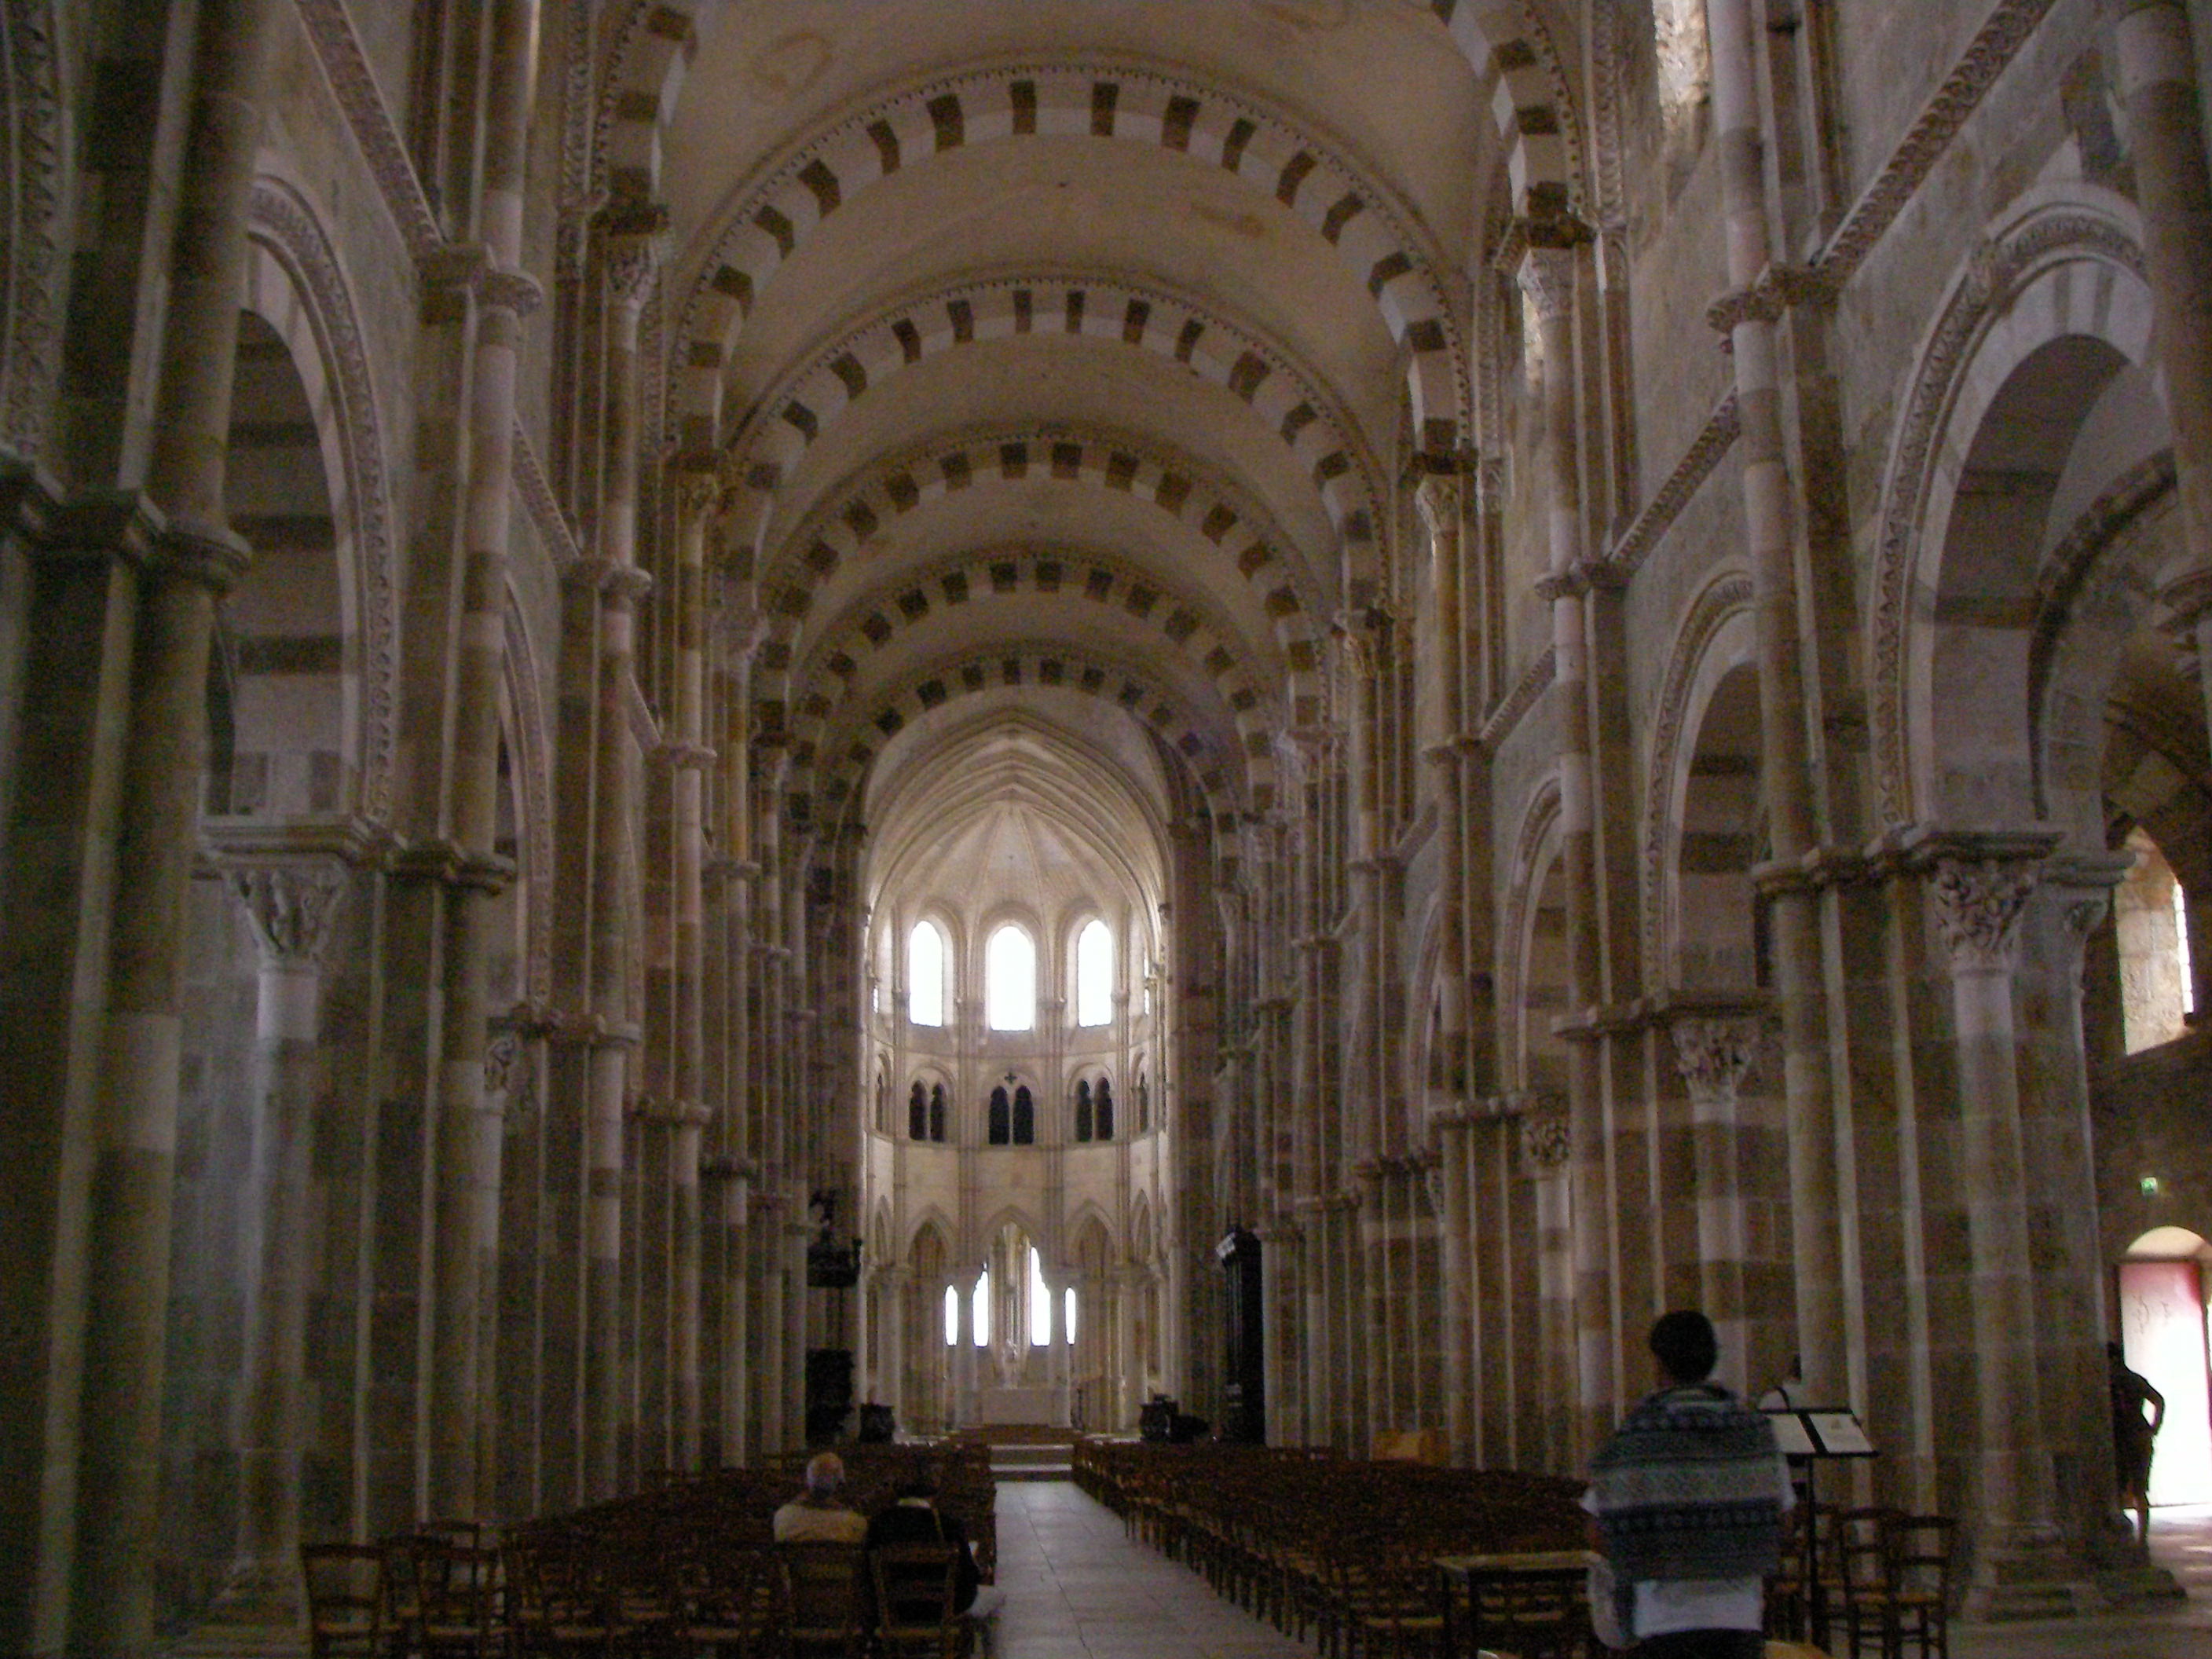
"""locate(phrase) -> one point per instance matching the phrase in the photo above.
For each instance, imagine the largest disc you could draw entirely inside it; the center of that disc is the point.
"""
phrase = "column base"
(2030, 1574)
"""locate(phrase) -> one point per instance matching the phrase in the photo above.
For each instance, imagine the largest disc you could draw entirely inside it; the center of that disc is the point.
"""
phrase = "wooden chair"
(731, 1603)
(345, 1600)
(455, 1596)
(829, 1612)
(1920, 1549)
(559, 1605)
(1862, 1573)
(915, 1585)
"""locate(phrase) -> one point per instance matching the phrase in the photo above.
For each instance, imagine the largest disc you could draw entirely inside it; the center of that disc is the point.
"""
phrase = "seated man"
(818, 1516)
(914, 1518)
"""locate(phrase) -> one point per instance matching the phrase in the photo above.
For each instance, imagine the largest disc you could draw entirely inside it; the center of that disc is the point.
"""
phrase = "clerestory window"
(1010, 980)
(925, 973)
(1094, 975)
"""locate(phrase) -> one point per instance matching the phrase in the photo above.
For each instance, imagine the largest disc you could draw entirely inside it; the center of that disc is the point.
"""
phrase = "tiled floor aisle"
(1076, 1587)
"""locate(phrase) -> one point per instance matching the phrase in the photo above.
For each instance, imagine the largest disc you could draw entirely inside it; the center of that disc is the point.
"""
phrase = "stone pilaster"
(1746, 314)
(290, 904)
(1714, 1053)
(195, 558)
(1979, 886)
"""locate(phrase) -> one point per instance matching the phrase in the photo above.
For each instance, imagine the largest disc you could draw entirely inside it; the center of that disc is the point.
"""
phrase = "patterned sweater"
(1689, 1486)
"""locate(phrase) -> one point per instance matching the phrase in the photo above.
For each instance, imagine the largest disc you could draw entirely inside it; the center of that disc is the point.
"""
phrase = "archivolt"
(830, 770)
(1139, 106)
(295, 284)
(1146, 318)
(875, 620)
(844, 527)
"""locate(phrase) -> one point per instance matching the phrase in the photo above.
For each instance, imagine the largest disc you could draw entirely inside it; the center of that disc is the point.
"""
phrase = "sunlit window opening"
(2150, 928)
(1094, 975)
(1067, 1322)
(1040, 1304)
(982, 1301)
(951, 1315)
(2181, 949)
(1010, 980)
(925, 975)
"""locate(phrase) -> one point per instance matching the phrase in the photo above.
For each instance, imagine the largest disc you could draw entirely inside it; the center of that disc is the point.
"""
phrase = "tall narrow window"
(1094, 975)
(1024, 1117)
(1010, 980)
(1104, 1120)
(951, 1315)
(981, 1303)
(1067, 1323)
(917, 1113)
(1040, 1302)
(2181, 949)
(937, 1111)
(1083, 1111)
(925, 975)
(997, 1125)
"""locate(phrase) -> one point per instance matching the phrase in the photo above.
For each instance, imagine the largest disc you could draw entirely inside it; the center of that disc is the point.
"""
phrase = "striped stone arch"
(826, 775)
(843, 526)
(1508, 49)
(879, 619)
(1146, 318)
(1532, 851)
(1142, 106)
(1502, 41)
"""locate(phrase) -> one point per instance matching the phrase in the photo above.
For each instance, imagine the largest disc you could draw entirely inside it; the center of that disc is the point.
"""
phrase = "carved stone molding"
(31, 288)
(1437, 498)
(291, 906)
(1991, 51)
(1527, 692)
(330, 30)
(1714, 439)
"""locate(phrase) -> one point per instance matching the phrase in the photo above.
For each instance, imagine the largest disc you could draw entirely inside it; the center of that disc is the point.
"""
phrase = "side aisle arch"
(294, 284)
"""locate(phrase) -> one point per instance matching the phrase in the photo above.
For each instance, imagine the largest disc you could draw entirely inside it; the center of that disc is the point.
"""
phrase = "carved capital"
(632, 263)
(1714, 1054)
(213, 556)
(1545, 1140)
(500, 1055)
(697, 491)
(1437, 497)
(1547, 276)
(290, 906)
(1978, 905)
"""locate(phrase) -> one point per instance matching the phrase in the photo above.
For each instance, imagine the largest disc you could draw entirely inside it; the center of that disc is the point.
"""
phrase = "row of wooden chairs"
(1343, 1547)
(1881, 1581)
(563, 1596)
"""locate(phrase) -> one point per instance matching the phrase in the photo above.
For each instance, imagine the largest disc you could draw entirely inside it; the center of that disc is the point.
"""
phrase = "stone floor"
(1076, 1588)
(2180, 1541)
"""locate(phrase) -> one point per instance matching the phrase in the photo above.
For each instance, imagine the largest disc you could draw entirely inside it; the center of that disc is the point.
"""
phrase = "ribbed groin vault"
(712, 711)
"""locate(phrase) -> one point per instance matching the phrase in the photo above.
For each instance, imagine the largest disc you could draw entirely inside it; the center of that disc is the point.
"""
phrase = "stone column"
(2173, 187)
(1462, 1384)
(1714, 1053)
(195, 557)
(1979, 889)
(1747, 315)
(1547, 276)
(1547, 1154)
(290, 904)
